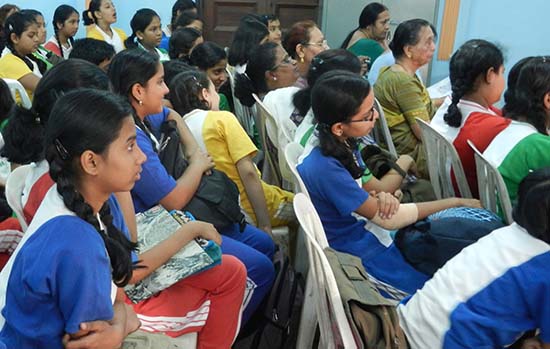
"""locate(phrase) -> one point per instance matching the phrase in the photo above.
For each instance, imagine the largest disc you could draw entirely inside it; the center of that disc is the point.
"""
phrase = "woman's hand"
(365, 62)
(387, 204)
(398, 194)
(202, 159)
(473, 203)
(203, 230)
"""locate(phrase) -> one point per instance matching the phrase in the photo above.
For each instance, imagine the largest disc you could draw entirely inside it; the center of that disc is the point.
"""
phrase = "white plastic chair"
(293, 151)
(442, 156)
(491, 186)
(14, 192)
(382, 127)
(271, 172)
(17, 89)
(335, 330)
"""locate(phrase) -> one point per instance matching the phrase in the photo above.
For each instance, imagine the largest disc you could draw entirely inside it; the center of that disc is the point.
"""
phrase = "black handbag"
(216, 200)
(380, 162)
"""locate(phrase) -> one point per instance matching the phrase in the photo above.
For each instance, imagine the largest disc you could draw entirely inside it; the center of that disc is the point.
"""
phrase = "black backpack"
(216, 200)
(276, 324)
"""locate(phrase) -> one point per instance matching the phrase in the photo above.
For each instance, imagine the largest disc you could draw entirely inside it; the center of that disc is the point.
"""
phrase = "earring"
(274, 78)
(140, 102)
(409, 56)
(301, 59)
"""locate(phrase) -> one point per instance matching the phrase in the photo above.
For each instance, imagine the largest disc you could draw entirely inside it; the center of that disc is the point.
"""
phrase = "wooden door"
(221, 17)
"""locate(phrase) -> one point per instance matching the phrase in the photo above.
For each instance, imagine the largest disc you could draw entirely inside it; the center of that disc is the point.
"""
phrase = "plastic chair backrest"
(335, 330)
(442, 156)
(492, 189)
(293, 151)
(14, 192)
(271, 172)
(17, 89)
(382, 127)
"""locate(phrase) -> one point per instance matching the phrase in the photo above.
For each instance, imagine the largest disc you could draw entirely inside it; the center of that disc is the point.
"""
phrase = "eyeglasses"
(368, 118)
(324, 43)
(286, 60)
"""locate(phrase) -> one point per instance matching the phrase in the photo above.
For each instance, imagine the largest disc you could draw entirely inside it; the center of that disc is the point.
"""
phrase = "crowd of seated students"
(92, 143)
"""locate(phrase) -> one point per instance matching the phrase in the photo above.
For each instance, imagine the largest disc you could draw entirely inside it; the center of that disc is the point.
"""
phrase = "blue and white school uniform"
(336, 196)
(58, 277)
(487, 296)
(253, 247)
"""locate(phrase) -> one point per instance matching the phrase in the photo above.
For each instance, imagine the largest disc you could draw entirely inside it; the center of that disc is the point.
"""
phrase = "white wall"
(519, 28)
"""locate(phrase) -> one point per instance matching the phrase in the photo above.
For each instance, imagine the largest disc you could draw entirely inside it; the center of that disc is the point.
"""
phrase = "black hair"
(185, 91)
(139, 22)
(16, 24)
(207, 55)
(6, 100)
(61, 14)
(24, 133)
(181, 43)
(92, 50)
(509, 95)
(532, 210)
(179, 7)
(407, 34)
(184, 19)
(131, 67)
(77, 125)
(173, 68)
(468, 65)
(246, 38)
(325, 61)
(4, 11)
(368, 17)
(531, 88)
(88, 16)
(262, 59)
(336, 97)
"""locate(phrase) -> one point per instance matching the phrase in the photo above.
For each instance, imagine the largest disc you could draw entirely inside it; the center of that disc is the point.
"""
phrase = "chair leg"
(308, 318)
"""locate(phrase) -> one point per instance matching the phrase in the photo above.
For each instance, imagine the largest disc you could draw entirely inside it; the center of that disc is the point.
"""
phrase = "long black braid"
(67, 136)
(468, 65)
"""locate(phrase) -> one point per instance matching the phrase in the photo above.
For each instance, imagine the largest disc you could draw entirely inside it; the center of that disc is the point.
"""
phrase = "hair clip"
(61, 150)
(10, 27)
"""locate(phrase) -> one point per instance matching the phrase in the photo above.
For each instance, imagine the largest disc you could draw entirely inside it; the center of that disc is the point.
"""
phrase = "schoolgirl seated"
(179, 7)
(195, 97)
(211, 58)
(99, 18)
(189, 19)
(48, 57)
(343, 105)
(493, 291)
(74, 279)
(65, 26)
(332, 59)
(146, 33)
(95, 51)
(137, 75)
(521, 147)
(477, 79)
(22, 40)
(182, 43)
(249, 35)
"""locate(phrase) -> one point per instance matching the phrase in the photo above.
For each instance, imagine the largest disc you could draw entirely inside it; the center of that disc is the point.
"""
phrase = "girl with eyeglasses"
(343, 105)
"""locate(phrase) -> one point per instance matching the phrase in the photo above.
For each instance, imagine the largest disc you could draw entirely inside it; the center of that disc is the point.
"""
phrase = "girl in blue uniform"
(343, 105)
(76, 251)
